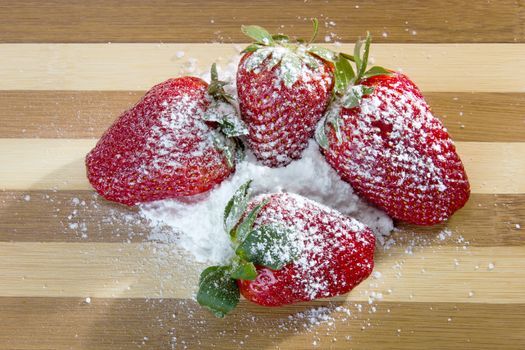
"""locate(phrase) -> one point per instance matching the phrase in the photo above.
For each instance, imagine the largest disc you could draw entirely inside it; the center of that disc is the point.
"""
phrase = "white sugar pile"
(198, 227)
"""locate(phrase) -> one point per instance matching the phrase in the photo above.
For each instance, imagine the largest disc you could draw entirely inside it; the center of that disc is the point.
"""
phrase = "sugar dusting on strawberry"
(336, 252)
(399, 155)
(173, 143)
(381, 136)
(287, 249)
(283, 89)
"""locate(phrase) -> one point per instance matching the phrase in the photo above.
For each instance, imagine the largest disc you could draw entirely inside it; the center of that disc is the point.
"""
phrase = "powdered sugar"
(197, 226)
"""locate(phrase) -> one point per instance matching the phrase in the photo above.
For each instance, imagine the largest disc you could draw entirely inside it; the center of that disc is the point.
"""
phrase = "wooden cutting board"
(77, 272)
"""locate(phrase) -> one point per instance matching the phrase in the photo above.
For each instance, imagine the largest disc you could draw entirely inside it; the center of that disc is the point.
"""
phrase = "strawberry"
(382, 138)
(288, 249)
(179, 140)
(284, 88)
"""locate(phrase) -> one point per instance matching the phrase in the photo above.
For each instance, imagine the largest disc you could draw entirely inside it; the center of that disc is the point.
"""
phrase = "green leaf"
(347, 56)
(216, 87)
(325, 54)
(315, 23)
(233, 128)
(277, 56)
(236, 206)
(213, 73)
(243, 270)
(354, 95)
(364, 59)
(310, 60)
(344, 75)
(290, 68)
(225, 114)
(218, 291)
(367, 90)
(272, 246)
(357, 55)
(251, 48)
(239, 150)
(335, 120)
(376, 70)
(281, 37)
(247, 223)
(226, 145)
(259, 34)
(320, 134)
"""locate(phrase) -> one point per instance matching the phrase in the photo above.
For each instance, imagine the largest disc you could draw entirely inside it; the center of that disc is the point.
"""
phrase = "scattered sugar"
(27, 198)
(87, 300)
(446, 233)
(377, 275)
(491, 266)
(518, 226)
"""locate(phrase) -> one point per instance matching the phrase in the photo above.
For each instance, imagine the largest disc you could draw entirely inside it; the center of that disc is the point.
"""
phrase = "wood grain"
(81, 216)
(434, 67)
(47, 164)
(477, 116)
(68, 68)
(64, 323)
(146, 270)
(190, 21)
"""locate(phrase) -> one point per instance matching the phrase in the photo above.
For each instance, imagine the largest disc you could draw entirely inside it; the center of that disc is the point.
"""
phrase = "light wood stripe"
(494, 117)
(147, 270)
(434, 67)
(487, 220)
(44, 164)
(190, 21)
(108, 324)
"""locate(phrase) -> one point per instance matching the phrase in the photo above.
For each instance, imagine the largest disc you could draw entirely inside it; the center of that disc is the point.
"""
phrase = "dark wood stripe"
(478, 116)
(67, 216)
(486, 117)
(64, 323)
(196, 21)
(81, 216)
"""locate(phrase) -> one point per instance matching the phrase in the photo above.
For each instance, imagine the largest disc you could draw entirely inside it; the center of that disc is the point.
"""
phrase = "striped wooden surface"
(61, 85)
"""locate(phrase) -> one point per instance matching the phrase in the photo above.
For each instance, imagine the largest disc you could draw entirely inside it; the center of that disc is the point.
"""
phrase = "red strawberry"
(289, 249)
(172, 143)
(392, 150)
(337, 252)
(284, 89)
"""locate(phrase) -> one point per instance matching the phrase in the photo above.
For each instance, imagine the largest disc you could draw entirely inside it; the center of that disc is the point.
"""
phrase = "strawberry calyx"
(289, 55)
(222, 110)
(348, 92)
(271, 245)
